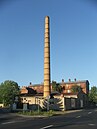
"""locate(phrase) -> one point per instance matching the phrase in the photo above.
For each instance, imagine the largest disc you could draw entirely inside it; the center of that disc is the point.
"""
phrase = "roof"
(72, 82)
(37, 85)
(68, 82)
(70, 94)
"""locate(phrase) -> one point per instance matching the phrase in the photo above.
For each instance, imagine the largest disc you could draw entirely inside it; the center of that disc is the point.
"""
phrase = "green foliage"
(8, 91)
(76, 89)
(56, 87)
(93, 94)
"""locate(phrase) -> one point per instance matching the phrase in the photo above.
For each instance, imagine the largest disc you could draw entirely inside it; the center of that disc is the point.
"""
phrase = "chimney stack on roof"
(69, 80)
(63, 80)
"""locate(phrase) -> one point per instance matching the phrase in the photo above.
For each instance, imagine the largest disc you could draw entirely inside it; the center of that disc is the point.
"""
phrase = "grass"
(37, 113)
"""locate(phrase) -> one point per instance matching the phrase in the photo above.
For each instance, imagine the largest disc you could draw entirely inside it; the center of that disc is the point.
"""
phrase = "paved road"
(86, 119)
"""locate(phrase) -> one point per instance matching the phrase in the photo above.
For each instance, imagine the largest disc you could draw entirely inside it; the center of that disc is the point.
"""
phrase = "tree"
(93, 94)
(76, 88)
(56, 87)
(8, 91)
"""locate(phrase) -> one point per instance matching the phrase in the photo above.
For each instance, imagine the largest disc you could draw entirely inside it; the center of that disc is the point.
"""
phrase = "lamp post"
(38, 103)
(48, 97)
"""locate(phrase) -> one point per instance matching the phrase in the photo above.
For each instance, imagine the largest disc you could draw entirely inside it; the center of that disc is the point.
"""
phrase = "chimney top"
(47, 17)
(30, 83)
(69, 80)
(62, 80)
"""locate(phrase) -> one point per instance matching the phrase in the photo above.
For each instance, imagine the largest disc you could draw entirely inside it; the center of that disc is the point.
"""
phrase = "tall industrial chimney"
(47, 58)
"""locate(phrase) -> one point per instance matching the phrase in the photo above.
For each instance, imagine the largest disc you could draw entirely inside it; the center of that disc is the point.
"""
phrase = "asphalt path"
(85, 119)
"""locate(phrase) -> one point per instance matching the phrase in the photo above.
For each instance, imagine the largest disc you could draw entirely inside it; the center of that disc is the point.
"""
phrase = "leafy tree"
(93, 94)
(76, 88)
(56, 87)
(8, 91)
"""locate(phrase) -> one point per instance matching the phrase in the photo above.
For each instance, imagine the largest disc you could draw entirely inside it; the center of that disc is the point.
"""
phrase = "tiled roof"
(78, 81)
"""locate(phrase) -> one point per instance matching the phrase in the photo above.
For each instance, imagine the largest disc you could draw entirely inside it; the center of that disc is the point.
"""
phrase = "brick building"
(33, 94)
(66, 87)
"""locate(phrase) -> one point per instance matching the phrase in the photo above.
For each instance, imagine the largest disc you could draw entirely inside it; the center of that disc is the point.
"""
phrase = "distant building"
(33, 95)
(66, 87)
(53, 96)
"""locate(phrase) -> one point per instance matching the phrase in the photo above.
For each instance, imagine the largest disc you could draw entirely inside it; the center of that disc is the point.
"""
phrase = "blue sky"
(73, 31)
